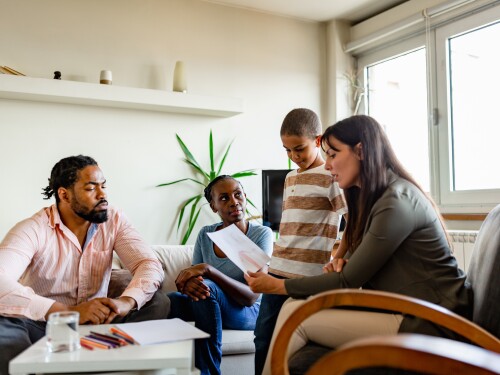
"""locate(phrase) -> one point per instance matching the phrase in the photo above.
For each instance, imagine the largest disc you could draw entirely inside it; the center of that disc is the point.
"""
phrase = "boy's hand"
(336, 265)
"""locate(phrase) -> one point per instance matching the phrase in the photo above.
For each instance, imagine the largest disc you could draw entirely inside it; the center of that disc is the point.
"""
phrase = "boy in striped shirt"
(312, 205)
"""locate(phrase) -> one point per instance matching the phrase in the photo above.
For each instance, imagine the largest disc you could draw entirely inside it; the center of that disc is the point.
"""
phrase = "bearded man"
(60, 259)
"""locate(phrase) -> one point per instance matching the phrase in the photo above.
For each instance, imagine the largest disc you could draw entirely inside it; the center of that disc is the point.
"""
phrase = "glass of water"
(62, 331)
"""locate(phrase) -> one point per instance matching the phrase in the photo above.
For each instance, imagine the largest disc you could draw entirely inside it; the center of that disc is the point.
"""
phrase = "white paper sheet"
(161, 331)
(240, 249)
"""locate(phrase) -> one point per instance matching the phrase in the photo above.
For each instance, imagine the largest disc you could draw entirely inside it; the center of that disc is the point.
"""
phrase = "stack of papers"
(242, 251)
(161, 331)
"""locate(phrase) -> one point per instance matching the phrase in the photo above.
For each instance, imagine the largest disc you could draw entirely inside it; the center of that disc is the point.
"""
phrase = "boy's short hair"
(301, 122)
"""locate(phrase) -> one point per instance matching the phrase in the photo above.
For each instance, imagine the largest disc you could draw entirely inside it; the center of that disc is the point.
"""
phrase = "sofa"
(237, 346)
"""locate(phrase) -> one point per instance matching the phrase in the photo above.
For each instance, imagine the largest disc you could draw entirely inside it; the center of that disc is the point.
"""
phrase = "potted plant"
(357, 91)
(203, 178)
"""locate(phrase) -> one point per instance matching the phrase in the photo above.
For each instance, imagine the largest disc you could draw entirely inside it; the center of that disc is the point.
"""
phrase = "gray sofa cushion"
(237, 342)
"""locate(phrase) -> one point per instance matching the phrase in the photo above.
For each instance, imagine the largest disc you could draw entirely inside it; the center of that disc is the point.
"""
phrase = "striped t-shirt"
(312, 205)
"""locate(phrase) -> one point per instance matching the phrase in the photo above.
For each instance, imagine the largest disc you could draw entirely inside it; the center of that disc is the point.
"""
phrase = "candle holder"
(106, 77)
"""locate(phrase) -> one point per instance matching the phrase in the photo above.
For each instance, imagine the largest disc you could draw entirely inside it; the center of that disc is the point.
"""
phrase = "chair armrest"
(411, 352)
(377, 300)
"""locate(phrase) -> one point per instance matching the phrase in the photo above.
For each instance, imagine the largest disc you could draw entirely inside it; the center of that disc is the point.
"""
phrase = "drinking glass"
(62, 331)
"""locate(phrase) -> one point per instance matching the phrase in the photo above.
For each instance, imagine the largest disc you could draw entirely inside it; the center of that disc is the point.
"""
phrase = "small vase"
(180, 84)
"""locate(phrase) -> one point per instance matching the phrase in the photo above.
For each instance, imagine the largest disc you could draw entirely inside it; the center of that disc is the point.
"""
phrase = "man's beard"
(93, 215)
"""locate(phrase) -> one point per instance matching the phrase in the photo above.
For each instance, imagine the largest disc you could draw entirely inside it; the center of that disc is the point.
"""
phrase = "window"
(471, 62)
(468, 58)
(452, 71)
(397, 98)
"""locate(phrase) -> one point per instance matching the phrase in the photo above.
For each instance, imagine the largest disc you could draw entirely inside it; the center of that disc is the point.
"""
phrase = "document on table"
(242, 251)
(161, 331)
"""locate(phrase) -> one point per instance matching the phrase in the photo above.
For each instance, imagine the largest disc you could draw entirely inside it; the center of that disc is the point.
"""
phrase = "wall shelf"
(94, 94)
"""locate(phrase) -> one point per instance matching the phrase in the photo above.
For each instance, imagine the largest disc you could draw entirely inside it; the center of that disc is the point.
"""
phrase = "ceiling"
(353, 11)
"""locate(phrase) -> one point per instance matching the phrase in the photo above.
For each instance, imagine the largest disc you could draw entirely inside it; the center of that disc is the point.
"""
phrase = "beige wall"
(338, 97)
(274, 64)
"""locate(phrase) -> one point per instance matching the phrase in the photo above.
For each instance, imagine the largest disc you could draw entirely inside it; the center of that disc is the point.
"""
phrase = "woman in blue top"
(213, 291)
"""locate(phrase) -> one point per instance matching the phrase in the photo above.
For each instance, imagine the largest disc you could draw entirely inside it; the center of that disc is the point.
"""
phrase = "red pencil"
(86, 346)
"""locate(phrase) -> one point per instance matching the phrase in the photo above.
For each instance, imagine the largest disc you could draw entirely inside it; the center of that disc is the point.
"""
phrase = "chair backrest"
(484, 274)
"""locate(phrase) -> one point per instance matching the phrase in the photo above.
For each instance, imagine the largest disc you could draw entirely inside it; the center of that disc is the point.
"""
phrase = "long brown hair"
(378, 159)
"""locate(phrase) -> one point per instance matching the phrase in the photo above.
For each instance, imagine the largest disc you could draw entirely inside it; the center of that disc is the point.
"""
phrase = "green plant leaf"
(184, 179)
(189, 156)
(190, 227)
(197, 168)
(183, 208)
(211, 150)
(224, 158)
(193, 208)
(251, 203)
(247, 173)
(181, 215)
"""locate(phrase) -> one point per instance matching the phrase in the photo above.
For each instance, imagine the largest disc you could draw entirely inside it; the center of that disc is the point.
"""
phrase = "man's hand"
(124, 305)
(260, 282)
(201, 269)
(196, 289)
(96, 311)
(335, 265)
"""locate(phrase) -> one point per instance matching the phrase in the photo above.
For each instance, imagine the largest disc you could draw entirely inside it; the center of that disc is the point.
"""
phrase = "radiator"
(463, 244)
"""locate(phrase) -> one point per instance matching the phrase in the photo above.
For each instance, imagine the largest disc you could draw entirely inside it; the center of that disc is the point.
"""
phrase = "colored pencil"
(103, 341)
(123, 334)
(86, 346)
(93, 343)
(109, 338)
(120, 337)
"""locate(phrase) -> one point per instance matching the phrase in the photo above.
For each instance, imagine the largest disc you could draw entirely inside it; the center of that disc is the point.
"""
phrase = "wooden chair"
(410, 352)
(484, 276)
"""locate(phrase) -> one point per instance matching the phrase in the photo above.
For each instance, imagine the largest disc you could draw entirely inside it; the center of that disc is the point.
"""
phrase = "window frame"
(449, 198)
(440, 168)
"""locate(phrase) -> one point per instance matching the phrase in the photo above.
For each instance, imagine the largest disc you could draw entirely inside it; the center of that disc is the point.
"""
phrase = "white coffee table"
(165, 359)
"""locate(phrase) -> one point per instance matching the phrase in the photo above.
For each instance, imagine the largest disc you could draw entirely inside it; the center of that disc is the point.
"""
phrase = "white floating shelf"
(94, 94)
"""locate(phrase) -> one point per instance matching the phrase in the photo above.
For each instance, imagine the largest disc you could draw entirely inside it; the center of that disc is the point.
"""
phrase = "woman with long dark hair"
(395, 238)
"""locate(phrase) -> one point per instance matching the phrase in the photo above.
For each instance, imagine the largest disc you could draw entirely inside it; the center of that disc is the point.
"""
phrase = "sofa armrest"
(173, 258)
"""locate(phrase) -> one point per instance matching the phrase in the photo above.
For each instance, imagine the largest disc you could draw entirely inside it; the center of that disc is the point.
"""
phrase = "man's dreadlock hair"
(64, 174)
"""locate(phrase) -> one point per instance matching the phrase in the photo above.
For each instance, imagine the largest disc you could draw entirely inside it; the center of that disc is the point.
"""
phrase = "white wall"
(339, 104)
(274, 64)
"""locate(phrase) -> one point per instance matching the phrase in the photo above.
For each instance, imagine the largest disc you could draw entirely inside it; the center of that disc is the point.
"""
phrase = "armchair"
(409, 352)
(483, 331)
